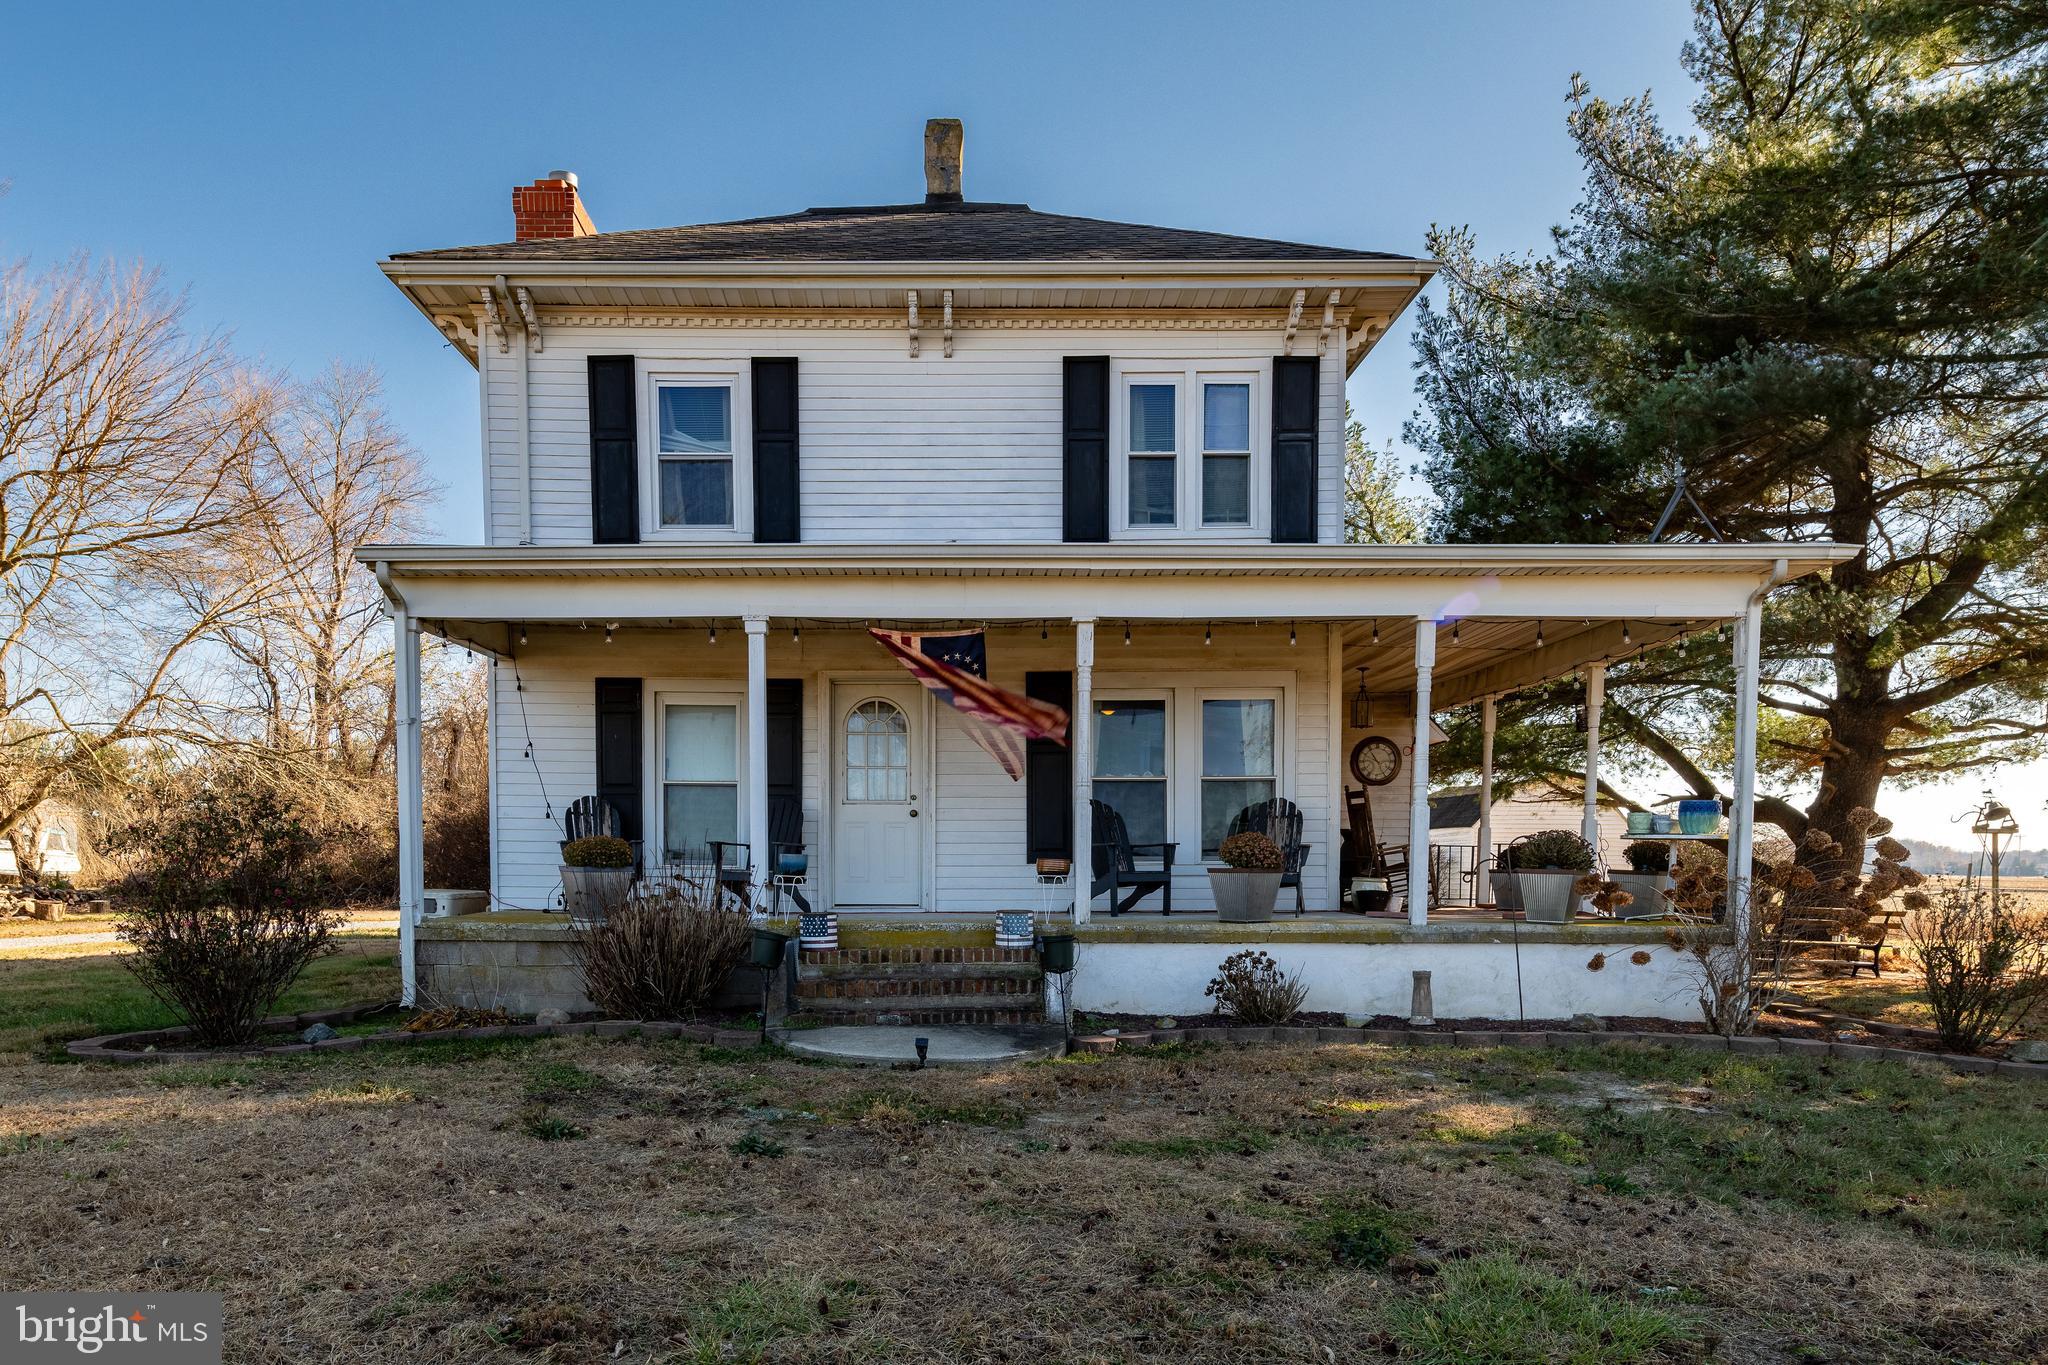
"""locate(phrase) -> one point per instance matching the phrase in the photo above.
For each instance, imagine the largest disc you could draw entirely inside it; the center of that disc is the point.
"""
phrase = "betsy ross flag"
(953, 666)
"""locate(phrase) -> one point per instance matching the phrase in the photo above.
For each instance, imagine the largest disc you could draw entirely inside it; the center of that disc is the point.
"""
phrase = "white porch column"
(1081, 744)
(1742, 819)
(1418, 796)
(757, 751)
(1488, 723)
(411, 823)
(1596, 697)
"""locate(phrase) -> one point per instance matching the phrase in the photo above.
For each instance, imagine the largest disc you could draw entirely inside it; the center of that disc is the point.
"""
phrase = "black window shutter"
(1048, 777)
(618, 751)
(786, 737)
(614, 452)
(1085, 384)
(1295, 402)
(777, 487)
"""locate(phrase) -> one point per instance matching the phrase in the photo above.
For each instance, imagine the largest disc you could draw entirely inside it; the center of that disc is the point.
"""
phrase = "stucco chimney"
(944, 142)
(549, 209)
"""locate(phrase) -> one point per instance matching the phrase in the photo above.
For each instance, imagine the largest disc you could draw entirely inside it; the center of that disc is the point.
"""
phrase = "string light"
(1127, 632)
(609, 627)
(1624, 634)
(522, 634)
(796, 633)
(1454, 632)
(1205, 633)
(1290, 632)
(1041, 630)
(714, 633)
(1375, 631)
(1539, 634)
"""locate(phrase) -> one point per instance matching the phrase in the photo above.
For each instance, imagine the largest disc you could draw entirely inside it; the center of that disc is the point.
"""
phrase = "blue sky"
(264, 157)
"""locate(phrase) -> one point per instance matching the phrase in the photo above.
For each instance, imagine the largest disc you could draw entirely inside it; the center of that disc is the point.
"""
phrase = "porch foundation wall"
(523, 966)
(1469, 980)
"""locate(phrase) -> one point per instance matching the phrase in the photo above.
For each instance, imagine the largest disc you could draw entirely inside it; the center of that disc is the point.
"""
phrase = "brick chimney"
(944, 141)
(549, 209)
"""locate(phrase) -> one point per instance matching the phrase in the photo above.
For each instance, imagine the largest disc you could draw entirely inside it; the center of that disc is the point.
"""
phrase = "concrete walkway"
(891, 1044)
(12, 945)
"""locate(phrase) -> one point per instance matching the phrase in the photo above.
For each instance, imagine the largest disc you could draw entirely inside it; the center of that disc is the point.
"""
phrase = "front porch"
(1197, 687)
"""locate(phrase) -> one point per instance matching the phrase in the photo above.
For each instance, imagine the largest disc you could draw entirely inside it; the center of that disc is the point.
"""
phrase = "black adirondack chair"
(1116, 863)
(785, 835)
(1279, 820)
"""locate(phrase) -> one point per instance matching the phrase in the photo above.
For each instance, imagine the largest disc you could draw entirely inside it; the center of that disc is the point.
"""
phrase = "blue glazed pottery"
(1699, 817)
(793, 864)
(1661, 824)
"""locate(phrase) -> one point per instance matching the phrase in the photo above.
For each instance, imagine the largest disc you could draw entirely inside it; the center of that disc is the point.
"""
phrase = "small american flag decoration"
(1013, 929)
(818, 930)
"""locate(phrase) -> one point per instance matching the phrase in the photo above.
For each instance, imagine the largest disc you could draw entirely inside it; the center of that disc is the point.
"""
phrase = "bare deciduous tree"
(131, 460)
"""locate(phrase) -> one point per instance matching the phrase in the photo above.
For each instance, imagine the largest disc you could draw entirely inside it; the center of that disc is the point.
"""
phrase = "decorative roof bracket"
(530, 318)
(495, 319)
(1293, 321)
(948, 298)
(456, 329)
(912, 323)
(1329, 323)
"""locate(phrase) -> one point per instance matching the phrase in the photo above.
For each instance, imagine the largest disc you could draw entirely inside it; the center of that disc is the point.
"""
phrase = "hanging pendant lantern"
(1361, 705)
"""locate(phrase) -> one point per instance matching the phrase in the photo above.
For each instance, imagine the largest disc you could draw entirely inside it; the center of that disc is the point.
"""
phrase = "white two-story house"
(716, 455)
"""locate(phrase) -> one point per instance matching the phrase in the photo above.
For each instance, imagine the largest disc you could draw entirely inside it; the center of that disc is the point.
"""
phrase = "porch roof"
(1493, 603)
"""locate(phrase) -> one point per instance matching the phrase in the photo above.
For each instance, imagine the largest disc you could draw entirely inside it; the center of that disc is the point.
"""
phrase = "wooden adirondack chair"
(1116, 863)
(1279, 820)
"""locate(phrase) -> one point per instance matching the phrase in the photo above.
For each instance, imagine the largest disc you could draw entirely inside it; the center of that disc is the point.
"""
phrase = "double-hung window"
(700, 777)
(1192, 447)
(693, 450)
(1226, 453)
(1131, 764)
(1154, 450)
(1240, 761)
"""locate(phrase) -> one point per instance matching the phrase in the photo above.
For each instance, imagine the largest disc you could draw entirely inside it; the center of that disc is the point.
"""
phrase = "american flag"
(953, 666)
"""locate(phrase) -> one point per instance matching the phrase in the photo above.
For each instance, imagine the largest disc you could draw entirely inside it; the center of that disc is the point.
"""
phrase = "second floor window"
(1226, 454)
(1153, 450)
(694, 448)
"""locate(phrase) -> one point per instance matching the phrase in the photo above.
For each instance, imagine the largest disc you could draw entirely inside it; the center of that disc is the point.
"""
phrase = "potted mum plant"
(1548, 866)
(1649, 880)
(597, 873)
(1249, 880)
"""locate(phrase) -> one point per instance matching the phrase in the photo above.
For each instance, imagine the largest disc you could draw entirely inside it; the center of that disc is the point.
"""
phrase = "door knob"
(913, 815)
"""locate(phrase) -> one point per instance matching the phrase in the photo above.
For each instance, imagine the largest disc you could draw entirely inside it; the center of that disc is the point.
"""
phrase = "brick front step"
(921, 971)
(964, 989)
(986, 1018)
(924, 956)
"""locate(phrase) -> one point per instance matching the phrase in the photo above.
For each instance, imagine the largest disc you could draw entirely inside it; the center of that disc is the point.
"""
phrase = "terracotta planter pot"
(1244, 896)
(589, 892)
(1546, 894)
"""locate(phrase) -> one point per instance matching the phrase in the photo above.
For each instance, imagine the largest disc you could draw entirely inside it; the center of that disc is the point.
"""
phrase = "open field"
(547, 1200)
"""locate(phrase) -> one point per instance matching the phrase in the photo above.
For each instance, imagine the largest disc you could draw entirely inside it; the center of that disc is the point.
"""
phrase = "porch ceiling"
(1588, 603)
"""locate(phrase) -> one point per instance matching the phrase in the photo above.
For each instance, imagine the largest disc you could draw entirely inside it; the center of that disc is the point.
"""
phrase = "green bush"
(228, 918)
(599, 850)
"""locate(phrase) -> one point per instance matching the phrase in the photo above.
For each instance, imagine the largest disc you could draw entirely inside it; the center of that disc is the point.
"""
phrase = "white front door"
(877, 841)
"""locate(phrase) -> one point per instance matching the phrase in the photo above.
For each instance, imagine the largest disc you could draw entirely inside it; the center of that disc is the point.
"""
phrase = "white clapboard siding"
(978, 832)
(894, 450)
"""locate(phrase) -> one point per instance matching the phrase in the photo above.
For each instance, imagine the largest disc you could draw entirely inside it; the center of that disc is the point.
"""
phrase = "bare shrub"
(663, 953)
(1986, 966)
(1797, 893)
(1251, 988)
(229, 917)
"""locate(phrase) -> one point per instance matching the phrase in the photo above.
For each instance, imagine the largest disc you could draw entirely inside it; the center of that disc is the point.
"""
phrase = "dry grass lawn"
(571, 1200)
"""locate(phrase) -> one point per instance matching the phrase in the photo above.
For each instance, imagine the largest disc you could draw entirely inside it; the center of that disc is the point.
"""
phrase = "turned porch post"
(1596, 698)
(1488, 721)
(1418, 768)
(1742, 819)
(411, 822)
(1081, 744)
(757, 753)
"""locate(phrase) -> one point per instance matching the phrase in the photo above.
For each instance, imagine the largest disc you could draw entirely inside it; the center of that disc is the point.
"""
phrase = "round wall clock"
(1375, 760)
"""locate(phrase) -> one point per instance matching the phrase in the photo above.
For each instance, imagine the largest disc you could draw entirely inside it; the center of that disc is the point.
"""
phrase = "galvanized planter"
(1243, 895)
